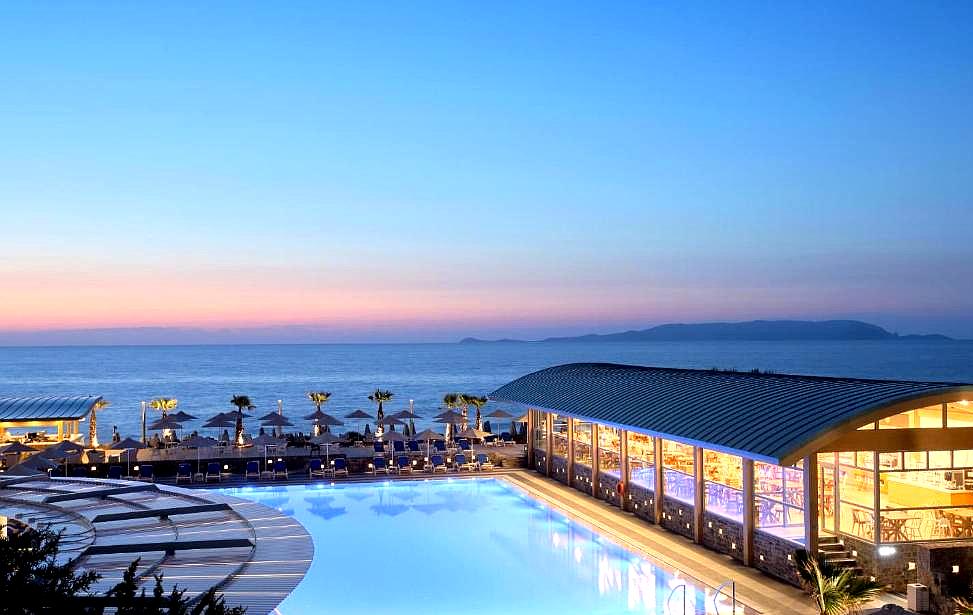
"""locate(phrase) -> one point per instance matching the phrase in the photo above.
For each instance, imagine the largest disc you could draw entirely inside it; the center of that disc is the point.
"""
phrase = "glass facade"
(678, 472)
(723, 476)
(582, 443)
(886, 496)
(609, 451)
(559, 434)
(779, 500)
(641, 460)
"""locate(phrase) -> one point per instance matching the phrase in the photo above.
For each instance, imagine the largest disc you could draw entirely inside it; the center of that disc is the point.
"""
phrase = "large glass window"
(582, 443)
(856, 480)
(559, 432)
(540, 430)
(920, 418)
(641, 460)
(779, 500)
(959, 414)
(609, 450)
(677, 471)
(723, 476)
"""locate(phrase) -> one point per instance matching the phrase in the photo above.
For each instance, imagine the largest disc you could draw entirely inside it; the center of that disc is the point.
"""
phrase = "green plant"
(964, 606)
(380, 397)
(835, 591)
(242, 402)
(477, 402)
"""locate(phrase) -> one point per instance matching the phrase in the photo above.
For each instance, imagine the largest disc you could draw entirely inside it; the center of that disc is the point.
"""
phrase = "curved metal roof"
(49, 408)
(773, 417)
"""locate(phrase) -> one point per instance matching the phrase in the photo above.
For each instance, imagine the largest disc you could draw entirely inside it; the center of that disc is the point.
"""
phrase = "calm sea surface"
(204, 378)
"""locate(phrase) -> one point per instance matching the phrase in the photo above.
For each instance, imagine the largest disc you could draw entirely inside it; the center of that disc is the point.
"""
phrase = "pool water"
(464, 546)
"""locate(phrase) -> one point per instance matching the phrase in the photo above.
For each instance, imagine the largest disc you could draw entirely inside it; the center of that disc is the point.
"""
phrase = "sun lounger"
(146, 472)
(379, 447)
(491, 440)
(439, 446)
(413, 447)
(253, 469)
(483, 462)
(213, 471)
(437, 463)
(280, 469)
(378, 464)
(403, 464)
(465, 446)
(398, 447)
(184, 473)
(460, 463)
(316, 468)
(339, 465)
(115, 472)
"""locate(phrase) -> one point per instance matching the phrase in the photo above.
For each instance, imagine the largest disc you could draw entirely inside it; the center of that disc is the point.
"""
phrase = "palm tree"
(380, 397)
(477, 402)
(242, 402)
(835, 591)
(964, 606)
(318, 398)
(93, 422)
(164, 404)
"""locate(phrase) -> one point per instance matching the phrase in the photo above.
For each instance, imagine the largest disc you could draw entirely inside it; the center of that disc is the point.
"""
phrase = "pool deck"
(756, 590)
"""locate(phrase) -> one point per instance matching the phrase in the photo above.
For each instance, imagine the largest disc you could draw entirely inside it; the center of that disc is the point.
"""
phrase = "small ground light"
(912, 565)
(226, 467)
(136, 468)
(93, 468)
(955, 569)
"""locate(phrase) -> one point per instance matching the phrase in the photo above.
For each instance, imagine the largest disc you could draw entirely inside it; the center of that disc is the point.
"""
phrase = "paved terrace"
(253, 554)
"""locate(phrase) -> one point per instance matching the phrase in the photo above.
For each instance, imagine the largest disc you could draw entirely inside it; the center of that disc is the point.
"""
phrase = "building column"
(876, 500)
(699, 494)
(623, 467)
(659, 482)
(531, 425)
(549, 422)
(570, 452)
(811, 504)
(837, 496)
(595, 465)
(748, 512)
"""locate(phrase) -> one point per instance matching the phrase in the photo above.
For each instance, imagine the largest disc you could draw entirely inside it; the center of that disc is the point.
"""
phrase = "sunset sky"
(404, 171)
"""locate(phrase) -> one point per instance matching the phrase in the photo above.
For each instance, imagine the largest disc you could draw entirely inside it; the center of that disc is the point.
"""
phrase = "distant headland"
(753, 331)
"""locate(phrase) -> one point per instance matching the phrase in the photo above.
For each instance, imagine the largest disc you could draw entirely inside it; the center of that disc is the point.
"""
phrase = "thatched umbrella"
(276, 420)
(319, 418)
(359, 415)
(198, 442)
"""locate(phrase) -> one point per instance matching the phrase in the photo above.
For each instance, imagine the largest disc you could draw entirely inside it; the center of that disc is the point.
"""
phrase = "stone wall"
(723, 535)
(581, 480)
(891, 569)
(540, 461)
(608, 489)
(641, 502)
(677, 517)
(935, 565)
(559, 469)
(775, 556)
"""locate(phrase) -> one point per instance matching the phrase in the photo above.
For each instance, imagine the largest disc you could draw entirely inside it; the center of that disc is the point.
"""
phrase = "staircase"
(836, 554)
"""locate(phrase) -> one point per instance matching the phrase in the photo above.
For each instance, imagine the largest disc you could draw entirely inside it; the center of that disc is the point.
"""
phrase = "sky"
(426, 171)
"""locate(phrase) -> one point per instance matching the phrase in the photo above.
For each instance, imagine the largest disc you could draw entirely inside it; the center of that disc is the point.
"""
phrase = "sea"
(204, 378)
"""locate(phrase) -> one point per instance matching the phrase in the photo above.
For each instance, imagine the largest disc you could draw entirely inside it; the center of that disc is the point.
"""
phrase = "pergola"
(63, 412)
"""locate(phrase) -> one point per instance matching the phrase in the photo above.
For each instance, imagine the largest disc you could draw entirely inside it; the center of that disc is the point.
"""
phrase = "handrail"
(732, 595)
(672, 593)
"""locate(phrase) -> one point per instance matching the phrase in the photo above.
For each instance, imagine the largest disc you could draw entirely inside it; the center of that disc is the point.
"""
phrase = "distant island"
(750, 331)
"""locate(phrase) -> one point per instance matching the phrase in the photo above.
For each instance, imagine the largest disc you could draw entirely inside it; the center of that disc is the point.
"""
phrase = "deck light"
(93, 468)
(226, 466)
(955, 569)
(136, 468)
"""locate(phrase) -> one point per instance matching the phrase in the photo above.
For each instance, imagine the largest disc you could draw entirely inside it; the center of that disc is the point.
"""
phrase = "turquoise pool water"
(466, 547)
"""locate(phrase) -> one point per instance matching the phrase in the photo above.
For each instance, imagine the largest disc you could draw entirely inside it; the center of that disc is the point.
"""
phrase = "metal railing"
(732, 594)
(672, 592)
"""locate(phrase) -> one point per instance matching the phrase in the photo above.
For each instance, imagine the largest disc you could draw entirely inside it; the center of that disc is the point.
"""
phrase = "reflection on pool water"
(465, 546)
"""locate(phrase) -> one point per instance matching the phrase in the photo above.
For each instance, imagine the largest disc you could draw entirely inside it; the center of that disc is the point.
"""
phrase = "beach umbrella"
(391, 421)
(266, 441)
(449, 418)
(268, 415)
(359, 415)
(427, 435)
(393, 436)
(198, 442)
(34, 463)
(327, 440)
(62, 450)
(319, 418)
(128, 444)
(165, 423)
(18, 448)
(182, 416)
(500, 413)
(276, 420)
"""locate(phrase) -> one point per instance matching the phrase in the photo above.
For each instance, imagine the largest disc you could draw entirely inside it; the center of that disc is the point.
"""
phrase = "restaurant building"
(50, 418)
(755, 465)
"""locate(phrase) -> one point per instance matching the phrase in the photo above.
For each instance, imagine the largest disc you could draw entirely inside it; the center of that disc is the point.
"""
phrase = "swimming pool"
(464, 546)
